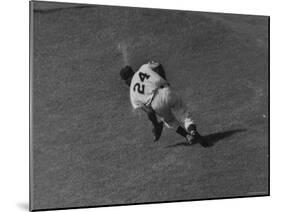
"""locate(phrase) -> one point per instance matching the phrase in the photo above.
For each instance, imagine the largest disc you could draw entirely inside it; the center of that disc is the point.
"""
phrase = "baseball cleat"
(196, 137)
(157, 131)
(192, 134)
(189, 139)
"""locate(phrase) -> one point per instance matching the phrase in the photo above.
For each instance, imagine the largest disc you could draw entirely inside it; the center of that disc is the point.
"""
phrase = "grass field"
(89, 148)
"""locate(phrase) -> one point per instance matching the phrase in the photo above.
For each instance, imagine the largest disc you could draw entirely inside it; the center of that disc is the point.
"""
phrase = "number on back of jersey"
(140, 87)
(143, 76)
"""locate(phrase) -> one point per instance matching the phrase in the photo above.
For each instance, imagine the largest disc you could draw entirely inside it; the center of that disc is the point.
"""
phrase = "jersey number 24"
(138, 86)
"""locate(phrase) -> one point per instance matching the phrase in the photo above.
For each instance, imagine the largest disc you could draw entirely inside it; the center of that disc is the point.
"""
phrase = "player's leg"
(171, 122)
(161, 106)
(157, 126)
(181, 112)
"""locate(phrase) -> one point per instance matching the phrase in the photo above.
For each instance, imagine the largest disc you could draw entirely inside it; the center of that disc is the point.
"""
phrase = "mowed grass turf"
(88, 146)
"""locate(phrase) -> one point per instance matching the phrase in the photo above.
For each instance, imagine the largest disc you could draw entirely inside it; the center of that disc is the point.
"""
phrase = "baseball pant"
(171, 109)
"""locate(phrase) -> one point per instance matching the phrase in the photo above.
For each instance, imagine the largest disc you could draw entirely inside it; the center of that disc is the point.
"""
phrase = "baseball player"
(151, 92)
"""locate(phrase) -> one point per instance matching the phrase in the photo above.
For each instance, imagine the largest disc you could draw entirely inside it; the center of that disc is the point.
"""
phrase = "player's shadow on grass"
(211, 139)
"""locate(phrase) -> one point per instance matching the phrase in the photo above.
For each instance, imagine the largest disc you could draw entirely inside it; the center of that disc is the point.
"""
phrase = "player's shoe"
(196, 137)
(192, 134)
(189, 139)
(157, 131)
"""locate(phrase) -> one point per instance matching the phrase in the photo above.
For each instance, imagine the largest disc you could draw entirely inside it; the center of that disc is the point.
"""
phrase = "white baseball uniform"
(149, 89)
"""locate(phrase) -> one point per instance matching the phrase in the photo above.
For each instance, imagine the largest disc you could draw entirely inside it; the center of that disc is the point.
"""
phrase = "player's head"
(126, 74)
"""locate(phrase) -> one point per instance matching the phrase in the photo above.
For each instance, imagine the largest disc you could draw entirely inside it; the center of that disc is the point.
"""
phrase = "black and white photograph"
(132, 105)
